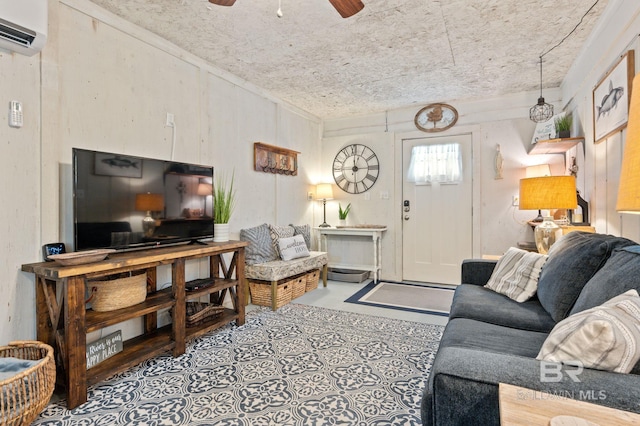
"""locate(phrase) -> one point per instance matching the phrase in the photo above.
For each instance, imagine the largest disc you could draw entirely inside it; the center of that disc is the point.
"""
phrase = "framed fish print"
(611, 98)
(117, 165)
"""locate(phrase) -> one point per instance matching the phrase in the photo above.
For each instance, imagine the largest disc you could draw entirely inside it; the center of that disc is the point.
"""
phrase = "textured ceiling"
(393, 54)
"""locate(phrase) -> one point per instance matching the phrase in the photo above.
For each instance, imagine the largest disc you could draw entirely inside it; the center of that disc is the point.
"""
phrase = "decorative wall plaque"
(273, 159)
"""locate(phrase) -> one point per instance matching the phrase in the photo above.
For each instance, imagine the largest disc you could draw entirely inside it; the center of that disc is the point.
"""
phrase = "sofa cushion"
(292, 247)
(620, 274)
(516, 274)
(479, 303)
(279, 269)
(605, 337)
(572, 261)
(472, 334)
(260, 248)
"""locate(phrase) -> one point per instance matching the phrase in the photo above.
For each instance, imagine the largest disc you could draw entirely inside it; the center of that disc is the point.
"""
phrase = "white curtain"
(435, 163)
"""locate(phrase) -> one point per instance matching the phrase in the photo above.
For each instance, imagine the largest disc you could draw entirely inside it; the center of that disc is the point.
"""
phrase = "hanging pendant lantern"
(541, 111)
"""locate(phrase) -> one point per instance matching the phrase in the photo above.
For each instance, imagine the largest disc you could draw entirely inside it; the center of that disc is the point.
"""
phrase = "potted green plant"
(342, 214)
(563, 125)
(223, 205)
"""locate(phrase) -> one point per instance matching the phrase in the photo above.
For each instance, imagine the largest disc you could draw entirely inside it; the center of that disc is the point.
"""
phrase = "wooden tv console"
(63, 321)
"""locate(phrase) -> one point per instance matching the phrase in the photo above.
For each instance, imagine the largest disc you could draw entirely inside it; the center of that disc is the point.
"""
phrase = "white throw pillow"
(604, 338)
(516, 274)
(292, 247)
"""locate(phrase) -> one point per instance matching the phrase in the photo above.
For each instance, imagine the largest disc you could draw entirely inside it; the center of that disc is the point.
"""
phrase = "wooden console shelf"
(63, 321)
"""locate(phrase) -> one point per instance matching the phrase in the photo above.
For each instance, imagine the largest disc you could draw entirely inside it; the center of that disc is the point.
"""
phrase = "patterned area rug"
(300, 365)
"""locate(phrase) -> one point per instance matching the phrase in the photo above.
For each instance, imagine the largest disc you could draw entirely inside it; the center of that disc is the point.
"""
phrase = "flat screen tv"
(125, 202)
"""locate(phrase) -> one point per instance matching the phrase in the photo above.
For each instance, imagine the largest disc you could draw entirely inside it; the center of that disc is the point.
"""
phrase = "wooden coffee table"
(522, 406)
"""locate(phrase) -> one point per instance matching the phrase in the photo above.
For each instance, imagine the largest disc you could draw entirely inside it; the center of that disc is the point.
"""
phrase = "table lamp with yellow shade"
(629, 189)
(546, 193)
(150, 203)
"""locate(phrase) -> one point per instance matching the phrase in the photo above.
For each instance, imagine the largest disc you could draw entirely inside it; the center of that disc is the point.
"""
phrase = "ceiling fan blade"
(223, 2)
(347, 8)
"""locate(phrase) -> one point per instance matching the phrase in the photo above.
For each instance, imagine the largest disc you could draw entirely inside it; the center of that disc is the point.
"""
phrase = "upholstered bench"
(264, 263)
(278, 271)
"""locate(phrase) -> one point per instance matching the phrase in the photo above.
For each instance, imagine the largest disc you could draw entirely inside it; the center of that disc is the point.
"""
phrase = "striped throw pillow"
(516, 274)
(260, 249)
(604, 338)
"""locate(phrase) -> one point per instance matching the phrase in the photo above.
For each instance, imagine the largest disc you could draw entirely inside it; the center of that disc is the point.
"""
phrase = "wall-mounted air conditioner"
(23, 26)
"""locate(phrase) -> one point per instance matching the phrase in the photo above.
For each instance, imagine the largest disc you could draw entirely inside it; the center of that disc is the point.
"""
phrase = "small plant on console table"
(342, 214)
(223, 204)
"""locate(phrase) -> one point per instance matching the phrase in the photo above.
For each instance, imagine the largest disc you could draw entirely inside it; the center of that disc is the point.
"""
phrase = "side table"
(373, 232)
(521, 406)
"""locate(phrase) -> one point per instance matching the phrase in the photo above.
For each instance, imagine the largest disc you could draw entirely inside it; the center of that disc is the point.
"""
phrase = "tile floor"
(336, 292)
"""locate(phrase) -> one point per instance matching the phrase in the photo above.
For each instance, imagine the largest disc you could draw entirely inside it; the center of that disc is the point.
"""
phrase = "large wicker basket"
(312, 280)
(117, 292)
(24, 396)
(261, 293)
(298, 286)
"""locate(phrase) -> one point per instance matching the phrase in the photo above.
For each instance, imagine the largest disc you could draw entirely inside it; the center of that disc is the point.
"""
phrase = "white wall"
(107, 84)
(103, 83)
(616, 34)
(502, 121)
(21, 210)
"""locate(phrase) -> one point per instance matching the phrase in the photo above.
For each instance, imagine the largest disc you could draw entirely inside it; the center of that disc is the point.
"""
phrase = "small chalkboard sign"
(104, 348)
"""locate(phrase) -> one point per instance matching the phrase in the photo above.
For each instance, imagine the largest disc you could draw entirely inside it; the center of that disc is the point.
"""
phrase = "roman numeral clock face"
(356, 168)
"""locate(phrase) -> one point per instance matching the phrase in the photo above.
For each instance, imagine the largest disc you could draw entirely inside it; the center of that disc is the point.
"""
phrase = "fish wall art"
(611, 98)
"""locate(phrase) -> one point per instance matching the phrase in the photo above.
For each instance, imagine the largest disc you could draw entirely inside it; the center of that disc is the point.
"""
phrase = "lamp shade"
(205, 189)
(324, 191)
(538, 171)
(149, 202)
(548, 192)
(629, 189)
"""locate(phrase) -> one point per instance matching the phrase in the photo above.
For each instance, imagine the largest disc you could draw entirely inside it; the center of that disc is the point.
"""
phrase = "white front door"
(436, 218)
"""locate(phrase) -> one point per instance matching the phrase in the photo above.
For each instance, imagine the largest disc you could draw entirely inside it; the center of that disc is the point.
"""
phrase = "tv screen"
(125, 202)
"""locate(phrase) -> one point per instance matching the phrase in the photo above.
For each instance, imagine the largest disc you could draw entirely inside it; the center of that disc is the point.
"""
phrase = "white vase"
(220, 232)
(342, 222)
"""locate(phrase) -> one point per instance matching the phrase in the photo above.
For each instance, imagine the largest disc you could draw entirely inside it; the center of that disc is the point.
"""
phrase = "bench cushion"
(279, 269)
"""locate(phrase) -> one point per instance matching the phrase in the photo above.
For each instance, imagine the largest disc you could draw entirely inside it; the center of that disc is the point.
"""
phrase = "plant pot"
(220, 232)
(342, 222)
(564, 134)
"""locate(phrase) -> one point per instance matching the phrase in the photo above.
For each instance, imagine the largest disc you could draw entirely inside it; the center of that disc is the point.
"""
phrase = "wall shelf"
(555, 146)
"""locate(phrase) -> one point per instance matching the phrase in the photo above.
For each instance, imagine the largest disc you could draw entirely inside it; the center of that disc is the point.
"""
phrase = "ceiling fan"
(345, 8)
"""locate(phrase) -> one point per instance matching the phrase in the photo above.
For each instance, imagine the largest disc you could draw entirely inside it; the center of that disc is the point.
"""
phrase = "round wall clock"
(356, 168)
(436, 118)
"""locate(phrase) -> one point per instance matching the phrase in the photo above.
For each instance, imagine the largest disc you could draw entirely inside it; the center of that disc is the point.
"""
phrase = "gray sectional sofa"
(491, 339)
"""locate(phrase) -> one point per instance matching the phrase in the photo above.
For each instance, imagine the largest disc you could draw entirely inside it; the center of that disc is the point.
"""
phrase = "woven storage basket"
(261, 293)
(199, 312)
(117, 292)
(25, 395)
(312, 280)
(298, 286)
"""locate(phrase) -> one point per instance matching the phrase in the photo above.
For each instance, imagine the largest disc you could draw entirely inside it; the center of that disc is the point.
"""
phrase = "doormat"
(406, 297)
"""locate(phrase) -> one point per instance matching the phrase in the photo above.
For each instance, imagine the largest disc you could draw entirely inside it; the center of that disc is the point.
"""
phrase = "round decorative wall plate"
(356, 168)
(436, 118)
